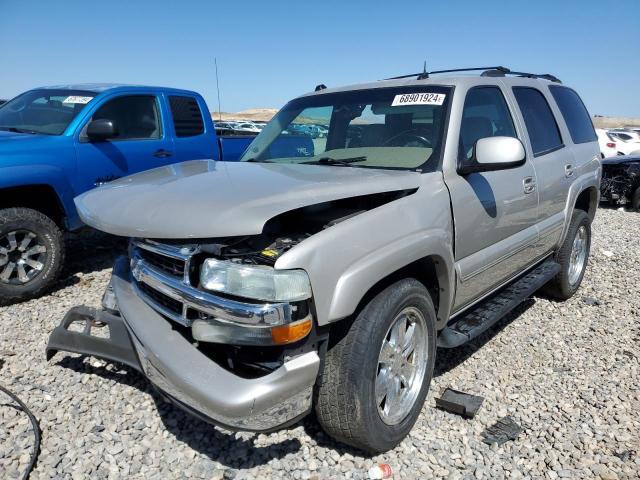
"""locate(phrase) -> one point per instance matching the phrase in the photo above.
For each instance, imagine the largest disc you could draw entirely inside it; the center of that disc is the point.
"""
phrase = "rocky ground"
(568, 373)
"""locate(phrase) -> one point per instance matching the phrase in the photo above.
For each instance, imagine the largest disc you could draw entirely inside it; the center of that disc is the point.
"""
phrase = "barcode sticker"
(76, 99)
(419, 99)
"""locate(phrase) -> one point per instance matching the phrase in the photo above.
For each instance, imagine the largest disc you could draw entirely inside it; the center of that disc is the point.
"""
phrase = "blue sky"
(270, 51)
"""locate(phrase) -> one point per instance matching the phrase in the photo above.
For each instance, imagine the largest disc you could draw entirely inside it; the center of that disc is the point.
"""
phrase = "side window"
(135, 117)
(541, 124)
(187, 117)
(575, 114)
(485, 114)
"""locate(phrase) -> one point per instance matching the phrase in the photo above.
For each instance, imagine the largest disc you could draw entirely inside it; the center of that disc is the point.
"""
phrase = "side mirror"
(101, 129)
(494, 153)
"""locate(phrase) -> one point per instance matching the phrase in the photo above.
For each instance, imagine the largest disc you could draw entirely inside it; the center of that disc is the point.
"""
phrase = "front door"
(140, 144)
(494, 212)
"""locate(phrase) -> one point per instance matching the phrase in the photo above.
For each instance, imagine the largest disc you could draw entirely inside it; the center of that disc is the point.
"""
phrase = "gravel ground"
(567, 372)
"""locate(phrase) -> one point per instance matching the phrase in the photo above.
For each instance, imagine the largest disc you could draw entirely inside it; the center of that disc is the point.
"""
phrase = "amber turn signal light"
(291, 332)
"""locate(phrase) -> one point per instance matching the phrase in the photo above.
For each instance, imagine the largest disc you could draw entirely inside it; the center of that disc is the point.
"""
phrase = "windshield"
(395, 128)
(46, 112)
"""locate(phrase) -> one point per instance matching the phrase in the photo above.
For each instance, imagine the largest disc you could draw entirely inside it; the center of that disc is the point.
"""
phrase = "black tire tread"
(336, 405)
(559, 287)
(12, 214)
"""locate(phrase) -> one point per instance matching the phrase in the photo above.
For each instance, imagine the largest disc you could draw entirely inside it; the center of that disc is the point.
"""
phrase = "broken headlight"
(257, 282)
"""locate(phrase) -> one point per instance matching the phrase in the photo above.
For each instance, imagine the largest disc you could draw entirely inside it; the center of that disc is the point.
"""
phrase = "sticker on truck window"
(418, 99)
(76, 99)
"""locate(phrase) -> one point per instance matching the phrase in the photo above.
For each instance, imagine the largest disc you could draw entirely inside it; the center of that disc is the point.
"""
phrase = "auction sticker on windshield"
(419, 99)
(76, 99)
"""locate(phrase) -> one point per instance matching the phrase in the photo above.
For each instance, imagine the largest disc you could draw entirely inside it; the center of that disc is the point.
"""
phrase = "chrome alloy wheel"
(402, 363)
(22, 257)
(578, 257)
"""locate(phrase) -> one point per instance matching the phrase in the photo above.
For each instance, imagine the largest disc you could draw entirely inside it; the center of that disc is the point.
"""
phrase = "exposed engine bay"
(285, 231)
(619, 180)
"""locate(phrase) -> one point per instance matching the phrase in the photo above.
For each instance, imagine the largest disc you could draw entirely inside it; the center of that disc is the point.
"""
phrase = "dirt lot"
(567, 372)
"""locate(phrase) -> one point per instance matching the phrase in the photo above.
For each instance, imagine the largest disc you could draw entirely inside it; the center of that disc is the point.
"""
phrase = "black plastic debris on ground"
(502, 431)
(459, 403)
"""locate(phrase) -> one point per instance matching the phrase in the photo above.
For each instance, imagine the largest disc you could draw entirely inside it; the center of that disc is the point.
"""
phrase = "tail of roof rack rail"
(498, 71)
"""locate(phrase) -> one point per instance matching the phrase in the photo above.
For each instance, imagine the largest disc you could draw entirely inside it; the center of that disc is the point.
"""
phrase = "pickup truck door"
(194, 135)
(142, 142)
(494, 212)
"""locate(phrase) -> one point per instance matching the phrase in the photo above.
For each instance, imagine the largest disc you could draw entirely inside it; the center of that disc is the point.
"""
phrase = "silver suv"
(323, 273)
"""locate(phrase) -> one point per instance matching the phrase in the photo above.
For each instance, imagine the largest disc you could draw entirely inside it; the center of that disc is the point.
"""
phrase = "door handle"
(568, 170)
(162, 153)
(529, 185)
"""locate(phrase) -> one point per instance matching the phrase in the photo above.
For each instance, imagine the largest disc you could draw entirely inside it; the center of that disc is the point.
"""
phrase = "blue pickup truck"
(58, 142)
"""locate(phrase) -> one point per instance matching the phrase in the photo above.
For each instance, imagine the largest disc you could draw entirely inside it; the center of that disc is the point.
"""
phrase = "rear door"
(552, 159)
(192, 139)
(494, 212)
(141, 143)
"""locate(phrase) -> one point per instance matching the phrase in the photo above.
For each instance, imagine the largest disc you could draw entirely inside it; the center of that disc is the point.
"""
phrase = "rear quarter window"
(575, 114)
(539, 120)
(187, 117)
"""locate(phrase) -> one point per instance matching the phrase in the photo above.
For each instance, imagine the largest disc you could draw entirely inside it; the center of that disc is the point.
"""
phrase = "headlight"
(255, 281)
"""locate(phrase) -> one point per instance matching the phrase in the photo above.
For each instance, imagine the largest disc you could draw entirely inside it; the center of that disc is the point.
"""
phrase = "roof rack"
(498, 71)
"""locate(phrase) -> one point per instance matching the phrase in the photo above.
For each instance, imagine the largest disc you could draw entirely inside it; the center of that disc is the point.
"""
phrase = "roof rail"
(498, 71)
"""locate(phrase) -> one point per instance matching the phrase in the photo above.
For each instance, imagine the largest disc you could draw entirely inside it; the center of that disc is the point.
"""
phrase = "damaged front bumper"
(143, 339)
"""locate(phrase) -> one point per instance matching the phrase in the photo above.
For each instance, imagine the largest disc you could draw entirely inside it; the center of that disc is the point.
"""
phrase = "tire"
(40, 269)
(345, 402)
(635, 199)
(565, 284)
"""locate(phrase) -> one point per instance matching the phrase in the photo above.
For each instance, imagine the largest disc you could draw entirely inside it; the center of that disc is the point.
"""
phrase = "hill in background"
(265, 114)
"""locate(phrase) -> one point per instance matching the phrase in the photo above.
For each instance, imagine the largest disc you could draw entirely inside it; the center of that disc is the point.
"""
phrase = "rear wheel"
(377, 375)
(635, 199)
(31, 254)
(573, 257)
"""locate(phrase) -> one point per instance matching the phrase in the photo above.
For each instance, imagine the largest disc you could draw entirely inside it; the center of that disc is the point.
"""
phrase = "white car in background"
(607, 143)
(627, 141)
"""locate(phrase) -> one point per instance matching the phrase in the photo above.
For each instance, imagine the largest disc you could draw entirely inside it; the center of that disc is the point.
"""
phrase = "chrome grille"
(166, 287)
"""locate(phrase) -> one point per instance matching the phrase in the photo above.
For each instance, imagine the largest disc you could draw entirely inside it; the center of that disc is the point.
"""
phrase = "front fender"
(42, 174)
(346, 260)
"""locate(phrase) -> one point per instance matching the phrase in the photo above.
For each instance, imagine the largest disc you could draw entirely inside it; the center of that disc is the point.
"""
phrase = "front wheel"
(572, 256)
(377, 375)
(31, 254)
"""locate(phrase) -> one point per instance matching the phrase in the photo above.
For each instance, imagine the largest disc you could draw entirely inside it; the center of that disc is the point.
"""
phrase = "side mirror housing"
(102, 129)
(494, 153)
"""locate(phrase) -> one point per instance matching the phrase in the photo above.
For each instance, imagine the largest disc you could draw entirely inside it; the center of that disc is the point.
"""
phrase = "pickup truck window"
(575, 114)
(485, 114)
(187, 117)
(43, 111)
(135, 117)
(393, 128)
(539, 120)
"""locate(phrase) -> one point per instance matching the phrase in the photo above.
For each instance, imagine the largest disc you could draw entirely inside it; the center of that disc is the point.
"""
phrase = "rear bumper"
(145, 340)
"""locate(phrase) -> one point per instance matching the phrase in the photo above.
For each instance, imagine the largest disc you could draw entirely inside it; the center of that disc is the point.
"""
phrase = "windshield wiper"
(339, 161)
(17, 130)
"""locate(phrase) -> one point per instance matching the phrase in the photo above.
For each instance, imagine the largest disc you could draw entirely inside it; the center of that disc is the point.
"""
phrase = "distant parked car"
(607, 144)
(621, 180)
(627, 142)
(248, 127)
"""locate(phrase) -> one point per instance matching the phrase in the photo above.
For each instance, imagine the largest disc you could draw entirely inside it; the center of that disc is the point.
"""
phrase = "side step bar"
(117, 347)
(482, 316)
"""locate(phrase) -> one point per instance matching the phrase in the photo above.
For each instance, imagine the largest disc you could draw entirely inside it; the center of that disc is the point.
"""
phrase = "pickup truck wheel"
(31, 254)
(377, 375)
(635, 200)
(572, 257)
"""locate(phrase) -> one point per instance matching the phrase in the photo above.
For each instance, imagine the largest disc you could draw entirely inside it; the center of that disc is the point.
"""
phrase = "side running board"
(482, 316)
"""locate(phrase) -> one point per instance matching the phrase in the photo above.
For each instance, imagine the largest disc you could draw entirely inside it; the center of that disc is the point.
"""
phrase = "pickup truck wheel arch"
(42, 198)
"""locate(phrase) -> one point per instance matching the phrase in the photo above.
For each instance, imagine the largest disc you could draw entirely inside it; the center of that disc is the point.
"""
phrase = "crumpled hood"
(204, 198)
